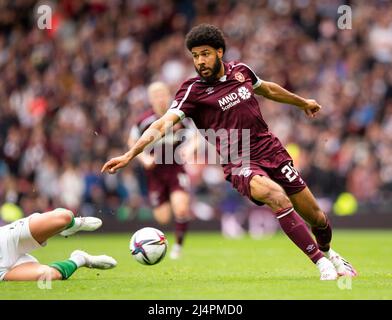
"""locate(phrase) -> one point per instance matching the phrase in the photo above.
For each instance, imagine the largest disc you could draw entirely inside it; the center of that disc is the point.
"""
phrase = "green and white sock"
(74, 224)
(78, 259)
(73, 221)
(66, 268)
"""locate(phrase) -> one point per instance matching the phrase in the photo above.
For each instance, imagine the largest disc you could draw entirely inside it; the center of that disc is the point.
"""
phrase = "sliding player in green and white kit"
(21, 237)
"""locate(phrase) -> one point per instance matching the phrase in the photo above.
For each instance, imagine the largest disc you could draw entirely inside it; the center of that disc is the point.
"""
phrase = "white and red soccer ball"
(148, 246)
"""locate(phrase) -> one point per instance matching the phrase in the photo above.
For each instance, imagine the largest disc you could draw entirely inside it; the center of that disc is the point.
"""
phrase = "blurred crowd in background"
(69, 96)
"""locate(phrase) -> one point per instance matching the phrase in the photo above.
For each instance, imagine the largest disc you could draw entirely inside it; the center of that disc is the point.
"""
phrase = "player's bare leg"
(310, 210)
(32, 271)
(180, 201)
(61, 270)
(306, 205)
(269, 192)
(162, 213)
(45, 225)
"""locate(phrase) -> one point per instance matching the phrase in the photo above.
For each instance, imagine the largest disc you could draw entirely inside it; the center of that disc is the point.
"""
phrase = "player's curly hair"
(205, 34)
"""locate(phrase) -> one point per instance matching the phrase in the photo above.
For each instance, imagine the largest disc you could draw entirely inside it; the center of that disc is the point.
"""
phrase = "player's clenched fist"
(311, 107)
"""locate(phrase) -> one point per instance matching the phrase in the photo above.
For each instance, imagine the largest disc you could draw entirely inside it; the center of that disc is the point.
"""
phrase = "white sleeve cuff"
(177, 112)
(258, 83)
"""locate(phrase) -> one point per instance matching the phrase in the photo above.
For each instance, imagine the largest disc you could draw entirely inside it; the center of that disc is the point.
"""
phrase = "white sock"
(79, 260)
(330, 253)
(177, 247)
(323, 261)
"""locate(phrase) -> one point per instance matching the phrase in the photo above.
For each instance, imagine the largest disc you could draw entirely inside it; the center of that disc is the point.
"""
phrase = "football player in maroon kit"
(168, 183)
(222, 97)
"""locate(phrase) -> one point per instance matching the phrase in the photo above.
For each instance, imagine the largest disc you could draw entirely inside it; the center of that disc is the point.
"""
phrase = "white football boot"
(175, 252)
(327, 269)
(96, 262)
(82, 224)
(343, 267)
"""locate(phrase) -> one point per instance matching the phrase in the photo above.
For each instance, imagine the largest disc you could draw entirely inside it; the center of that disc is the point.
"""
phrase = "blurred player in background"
(19, 238)
(222, 97)
(168, 184)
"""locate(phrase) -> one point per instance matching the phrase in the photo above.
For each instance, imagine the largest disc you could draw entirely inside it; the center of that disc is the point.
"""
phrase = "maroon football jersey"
(164, 178)
(229, 105)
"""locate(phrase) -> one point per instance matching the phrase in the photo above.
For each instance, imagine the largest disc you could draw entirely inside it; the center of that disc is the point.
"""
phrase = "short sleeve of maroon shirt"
(184, 101)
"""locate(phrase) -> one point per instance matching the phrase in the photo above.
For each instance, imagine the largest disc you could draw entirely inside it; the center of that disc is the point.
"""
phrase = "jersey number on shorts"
(183, 180)
(290, 173)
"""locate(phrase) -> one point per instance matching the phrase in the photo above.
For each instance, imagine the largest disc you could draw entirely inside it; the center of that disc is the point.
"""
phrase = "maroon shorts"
(163, 179)
(285, 175)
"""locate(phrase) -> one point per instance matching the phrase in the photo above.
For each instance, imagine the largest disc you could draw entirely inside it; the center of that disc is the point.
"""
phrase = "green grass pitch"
(216, 268)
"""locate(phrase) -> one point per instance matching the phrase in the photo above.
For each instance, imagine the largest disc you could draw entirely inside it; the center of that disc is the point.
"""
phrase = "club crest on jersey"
(239, 76)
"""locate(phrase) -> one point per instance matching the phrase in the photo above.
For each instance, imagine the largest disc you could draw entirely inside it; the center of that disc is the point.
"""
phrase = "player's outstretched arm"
(146, 160)
(275, 92)
(155, 132)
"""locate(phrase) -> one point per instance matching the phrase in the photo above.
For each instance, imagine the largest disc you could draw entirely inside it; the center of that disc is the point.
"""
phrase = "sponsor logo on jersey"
(234, 98)
(246, 172)
(210, 90)
(244, 93)
(310, 247)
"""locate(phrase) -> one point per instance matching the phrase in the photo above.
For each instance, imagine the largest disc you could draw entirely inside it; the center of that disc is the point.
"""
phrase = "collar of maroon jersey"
(224, 77)
(227, 72)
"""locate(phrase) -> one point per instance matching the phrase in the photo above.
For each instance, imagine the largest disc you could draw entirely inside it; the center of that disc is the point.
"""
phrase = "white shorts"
(16, 242)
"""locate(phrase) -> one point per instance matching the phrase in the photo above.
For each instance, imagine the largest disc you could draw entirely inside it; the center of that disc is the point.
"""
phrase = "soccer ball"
(148, 246)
